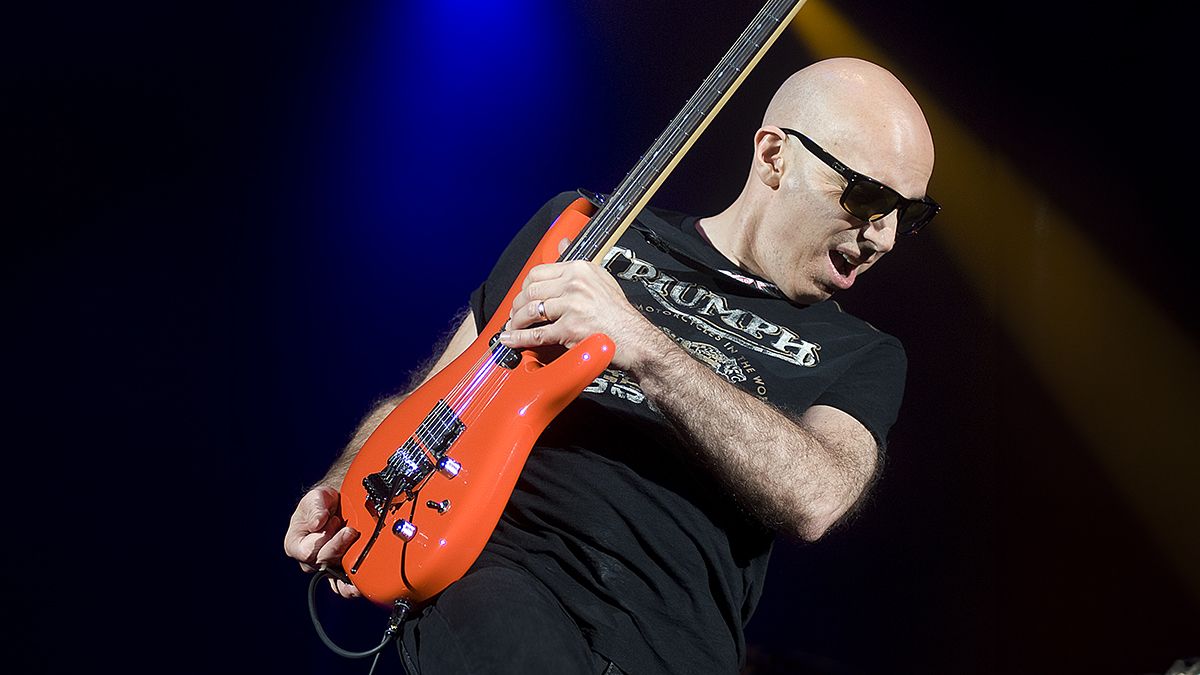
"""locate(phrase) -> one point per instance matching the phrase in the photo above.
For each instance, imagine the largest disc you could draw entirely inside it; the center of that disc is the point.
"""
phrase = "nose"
(880, 234)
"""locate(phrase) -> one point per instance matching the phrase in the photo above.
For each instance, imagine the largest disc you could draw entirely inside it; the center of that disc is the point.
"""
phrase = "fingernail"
(505, 336)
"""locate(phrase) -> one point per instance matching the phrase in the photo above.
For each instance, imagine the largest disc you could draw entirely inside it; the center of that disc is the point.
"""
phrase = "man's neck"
(729, 232)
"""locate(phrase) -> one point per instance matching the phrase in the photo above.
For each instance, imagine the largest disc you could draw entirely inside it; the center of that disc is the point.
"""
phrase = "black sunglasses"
(867, 199)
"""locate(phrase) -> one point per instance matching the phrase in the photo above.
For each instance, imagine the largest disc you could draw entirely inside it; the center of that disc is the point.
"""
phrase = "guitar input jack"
(400, 610)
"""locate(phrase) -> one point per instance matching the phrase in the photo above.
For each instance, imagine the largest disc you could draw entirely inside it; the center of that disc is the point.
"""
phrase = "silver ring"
(541, 310)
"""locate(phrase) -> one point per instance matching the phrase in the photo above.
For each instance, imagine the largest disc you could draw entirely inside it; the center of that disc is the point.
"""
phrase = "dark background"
(230, 228)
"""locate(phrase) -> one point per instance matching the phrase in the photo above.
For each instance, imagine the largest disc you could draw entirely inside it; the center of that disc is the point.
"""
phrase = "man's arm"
(798, 475)
(316, 533)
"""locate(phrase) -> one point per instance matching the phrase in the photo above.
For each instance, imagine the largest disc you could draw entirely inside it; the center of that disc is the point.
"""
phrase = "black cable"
(399, 611)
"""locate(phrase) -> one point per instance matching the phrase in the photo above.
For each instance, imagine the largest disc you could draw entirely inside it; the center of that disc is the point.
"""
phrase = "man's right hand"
(317, 536)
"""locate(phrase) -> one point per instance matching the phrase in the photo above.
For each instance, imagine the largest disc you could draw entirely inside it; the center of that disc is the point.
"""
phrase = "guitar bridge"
(411, 465)
(405, 469)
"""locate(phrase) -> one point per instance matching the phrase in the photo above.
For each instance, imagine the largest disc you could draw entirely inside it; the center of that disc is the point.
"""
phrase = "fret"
(639, 184)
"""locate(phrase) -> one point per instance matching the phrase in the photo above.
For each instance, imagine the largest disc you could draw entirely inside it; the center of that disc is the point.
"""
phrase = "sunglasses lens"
(915, 215)
(868, 200)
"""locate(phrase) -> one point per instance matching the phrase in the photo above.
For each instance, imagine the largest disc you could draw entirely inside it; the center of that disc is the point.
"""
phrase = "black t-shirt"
(655, 564)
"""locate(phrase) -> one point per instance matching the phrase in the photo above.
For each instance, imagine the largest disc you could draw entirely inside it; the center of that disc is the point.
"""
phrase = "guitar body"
(427, 488)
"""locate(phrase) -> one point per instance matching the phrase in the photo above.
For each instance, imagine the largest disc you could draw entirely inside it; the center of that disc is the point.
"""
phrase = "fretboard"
(632, 194)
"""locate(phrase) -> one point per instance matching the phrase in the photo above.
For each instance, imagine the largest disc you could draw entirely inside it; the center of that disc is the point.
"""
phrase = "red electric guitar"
(427, 488)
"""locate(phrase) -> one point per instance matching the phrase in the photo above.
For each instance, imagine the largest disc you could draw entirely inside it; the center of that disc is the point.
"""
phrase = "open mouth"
(844, 265)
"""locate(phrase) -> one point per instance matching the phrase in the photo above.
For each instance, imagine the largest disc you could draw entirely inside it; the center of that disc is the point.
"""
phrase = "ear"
(769, 161)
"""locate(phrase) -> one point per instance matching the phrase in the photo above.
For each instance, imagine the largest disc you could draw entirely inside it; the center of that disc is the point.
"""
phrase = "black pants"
(497, 620)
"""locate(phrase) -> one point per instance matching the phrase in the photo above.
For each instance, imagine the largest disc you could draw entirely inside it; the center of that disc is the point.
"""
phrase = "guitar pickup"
(440, 429)
(503, 356)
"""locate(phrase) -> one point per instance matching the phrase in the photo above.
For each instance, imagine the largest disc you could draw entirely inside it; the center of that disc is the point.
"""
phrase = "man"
(739, 403)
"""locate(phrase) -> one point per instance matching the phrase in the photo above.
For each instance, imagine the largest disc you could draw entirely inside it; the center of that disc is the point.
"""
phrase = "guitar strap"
(658, 241)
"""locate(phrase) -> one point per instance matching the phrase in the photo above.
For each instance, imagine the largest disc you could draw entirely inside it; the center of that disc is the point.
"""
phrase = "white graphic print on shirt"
(712, 316)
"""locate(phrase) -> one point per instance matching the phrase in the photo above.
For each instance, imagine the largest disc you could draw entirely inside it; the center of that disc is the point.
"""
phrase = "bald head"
(859, 112)
(788, 224)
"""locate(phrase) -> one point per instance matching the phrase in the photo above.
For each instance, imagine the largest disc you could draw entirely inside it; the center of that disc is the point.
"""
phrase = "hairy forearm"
(779, 470)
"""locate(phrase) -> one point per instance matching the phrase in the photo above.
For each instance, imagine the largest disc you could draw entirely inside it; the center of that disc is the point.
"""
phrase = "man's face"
(807, 244)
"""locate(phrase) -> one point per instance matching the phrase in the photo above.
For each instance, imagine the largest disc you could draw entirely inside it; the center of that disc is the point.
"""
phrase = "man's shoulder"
(835, 313)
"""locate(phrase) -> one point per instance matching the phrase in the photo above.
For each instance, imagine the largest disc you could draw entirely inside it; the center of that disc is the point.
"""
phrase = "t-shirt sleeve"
(487, 297)
(872, 389)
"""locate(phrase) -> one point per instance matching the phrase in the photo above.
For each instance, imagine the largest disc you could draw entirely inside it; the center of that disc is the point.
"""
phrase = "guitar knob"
(404, 529)
(448, 467)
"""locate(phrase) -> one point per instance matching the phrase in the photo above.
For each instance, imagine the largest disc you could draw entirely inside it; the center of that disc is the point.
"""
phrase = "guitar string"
(485, 383)
(477, 378)
(709, 90)
(479, 382)
(595, 235)
(432, 423)
(459, 400)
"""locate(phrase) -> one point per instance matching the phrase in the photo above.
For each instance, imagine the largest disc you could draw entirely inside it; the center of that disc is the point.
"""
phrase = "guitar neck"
(639, 185)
